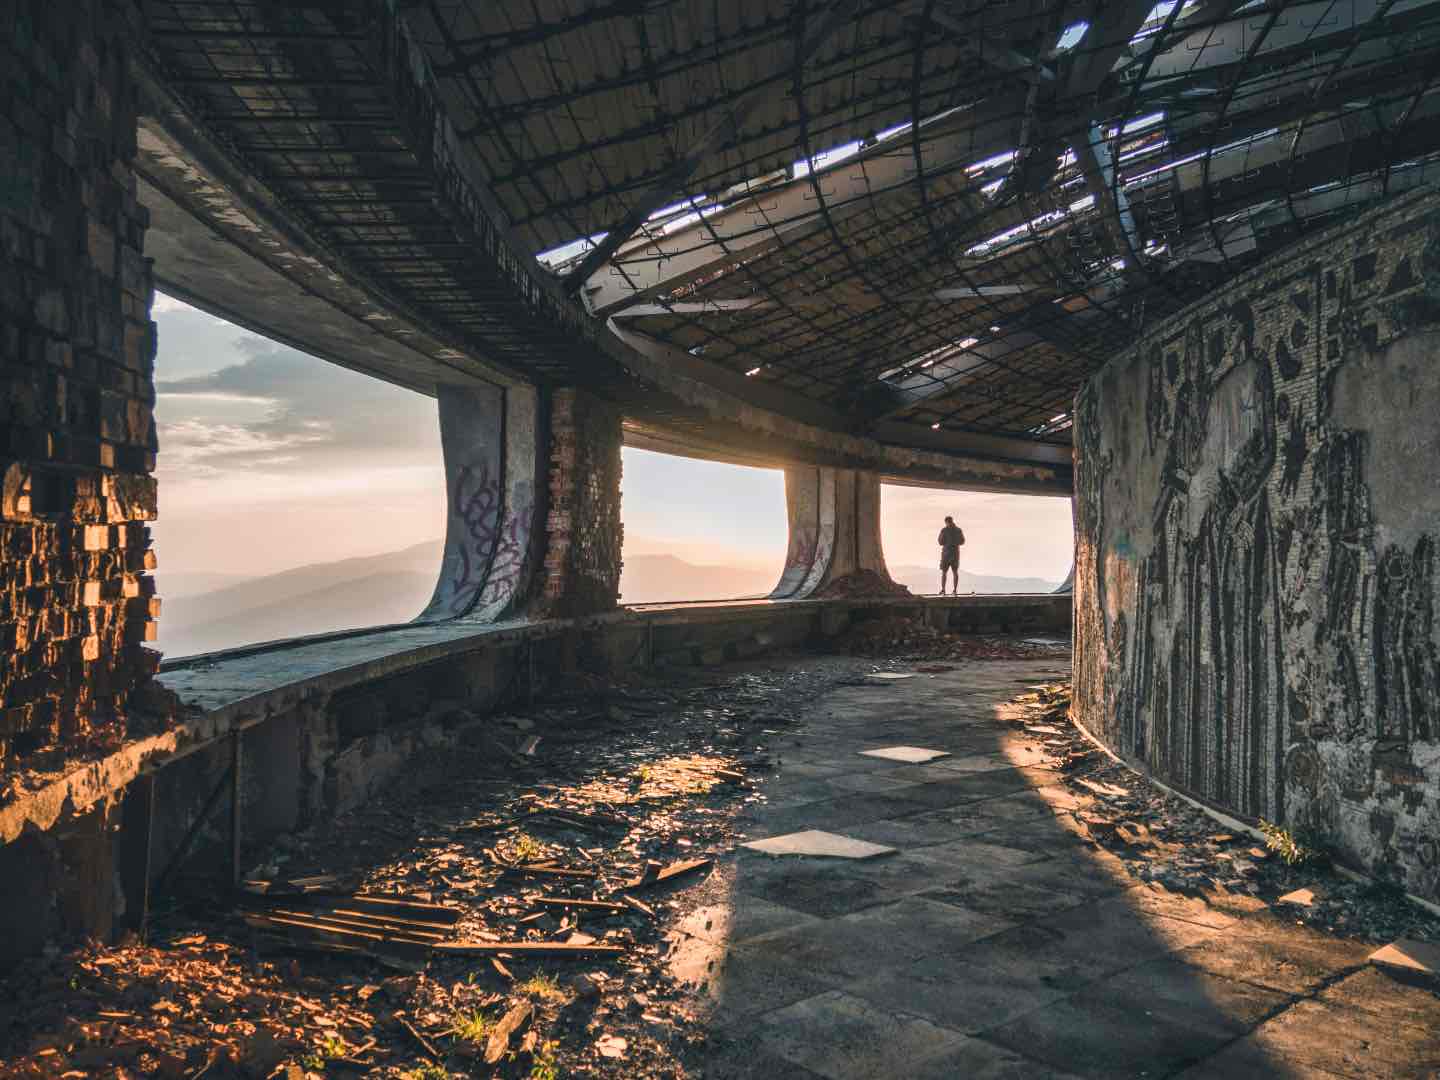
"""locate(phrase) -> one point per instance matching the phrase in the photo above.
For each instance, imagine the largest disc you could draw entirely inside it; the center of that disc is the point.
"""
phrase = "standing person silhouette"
(951, 537)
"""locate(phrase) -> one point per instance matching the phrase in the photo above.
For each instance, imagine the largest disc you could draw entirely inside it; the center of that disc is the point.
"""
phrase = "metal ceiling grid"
(1079, 170)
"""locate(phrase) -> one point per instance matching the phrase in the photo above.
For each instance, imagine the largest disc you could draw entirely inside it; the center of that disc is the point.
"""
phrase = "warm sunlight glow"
(1013, 543)
(700, 530)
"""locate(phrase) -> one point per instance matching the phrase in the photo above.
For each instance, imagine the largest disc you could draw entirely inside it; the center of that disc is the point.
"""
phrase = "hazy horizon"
(271, 460)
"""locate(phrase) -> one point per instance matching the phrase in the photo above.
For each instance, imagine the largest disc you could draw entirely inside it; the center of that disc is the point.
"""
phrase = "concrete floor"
(996, 943)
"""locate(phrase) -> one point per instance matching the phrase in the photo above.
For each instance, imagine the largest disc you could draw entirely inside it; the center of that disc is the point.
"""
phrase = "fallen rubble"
(491, 913)
(903, 638)
(1167, 842)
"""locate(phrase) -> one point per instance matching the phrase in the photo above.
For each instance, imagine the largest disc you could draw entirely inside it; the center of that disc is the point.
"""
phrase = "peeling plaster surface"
(1256, 519)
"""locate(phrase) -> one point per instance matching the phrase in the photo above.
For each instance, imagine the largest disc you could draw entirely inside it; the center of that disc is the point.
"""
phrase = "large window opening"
(700, 530)
(296, 497)
(1013, 543)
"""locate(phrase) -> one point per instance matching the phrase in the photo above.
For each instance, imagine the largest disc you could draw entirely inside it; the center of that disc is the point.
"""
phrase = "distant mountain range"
(342, 595)
(925, 581)
(203, 612)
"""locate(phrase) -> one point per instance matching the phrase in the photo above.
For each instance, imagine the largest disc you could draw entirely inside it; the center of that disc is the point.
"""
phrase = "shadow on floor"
(996, 942)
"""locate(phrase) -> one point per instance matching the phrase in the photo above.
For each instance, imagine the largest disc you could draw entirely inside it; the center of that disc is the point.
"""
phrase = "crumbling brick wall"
(1256, 577)
(77, 436)
(583, 529)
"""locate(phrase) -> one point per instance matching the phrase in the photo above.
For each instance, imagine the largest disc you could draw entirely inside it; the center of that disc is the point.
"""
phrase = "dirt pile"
(861, 585)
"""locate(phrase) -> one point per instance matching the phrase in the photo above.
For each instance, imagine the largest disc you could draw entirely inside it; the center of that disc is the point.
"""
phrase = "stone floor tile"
(1245, 1060)
(967, 997)
(1276, 956)
(819, 894)
(1351, 1043)
(1171, 988)
(818, 844)
(910, 755)
(977, 1059)
(1383, 994)
(1092, 1037)
(1014, 900)
(740, 917)
(866, 783)
(843, 1037)
(837, 951)
(731, 986)
(936, 927)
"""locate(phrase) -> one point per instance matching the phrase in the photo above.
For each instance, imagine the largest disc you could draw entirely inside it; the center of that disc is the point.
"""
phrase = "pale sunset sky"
(271, 459)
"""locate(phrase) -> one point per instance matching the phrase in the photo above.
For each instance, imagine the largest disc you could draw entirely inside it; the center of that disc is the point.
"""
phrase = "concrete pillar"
(494, 442)
(834, 518)
(77, 352)
(533, 524)
(583, 532)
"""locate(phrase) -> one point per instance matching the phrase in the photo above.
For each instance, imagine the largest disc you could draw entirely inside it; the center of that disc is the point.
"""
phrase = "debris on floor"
(491, 913)
(862, 584)
(899, 637)
(1167, 842)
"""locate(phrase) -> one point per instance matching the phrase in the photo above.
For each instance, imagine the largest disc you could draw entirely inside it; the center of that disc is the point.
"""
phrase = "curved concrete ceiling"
(857, 228)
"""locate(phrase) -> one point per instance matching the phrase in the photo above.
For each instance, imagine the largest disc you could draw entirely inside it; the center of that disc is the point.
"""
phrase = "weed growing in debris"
(525, 848)
(1294, 849)
(542, 986)
(471, 1027)
(332, 1047)
(428, 1071)
(543, 1065)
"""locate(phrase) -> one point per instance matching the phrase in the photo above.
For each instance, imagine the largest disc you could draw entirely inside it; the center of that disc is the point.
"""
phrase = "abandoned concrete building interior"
(1177, 262)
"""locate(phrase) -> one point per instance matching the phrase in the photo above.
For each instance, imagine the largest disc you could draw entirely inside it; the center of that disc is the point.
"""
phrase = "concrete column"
(493, 442)
(834, 517)
(583, 532)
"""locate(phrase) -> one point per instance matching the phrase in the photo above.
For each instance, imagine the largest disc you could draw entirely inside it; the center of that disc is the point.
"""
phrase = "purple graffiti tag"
(477, 504)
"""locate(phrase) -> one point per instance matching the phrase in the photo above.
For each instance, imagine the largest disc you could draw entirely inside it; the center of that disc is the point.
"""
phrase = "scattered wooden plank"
(499, 1041)
(1109, 791)
(425, 1043)
(583, 905)
(669, 873)
(527, 948)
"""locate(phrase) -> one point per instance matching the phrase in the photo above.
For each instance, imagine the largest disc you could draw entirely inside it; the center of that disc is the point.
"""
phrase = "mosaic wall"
(1256, 518)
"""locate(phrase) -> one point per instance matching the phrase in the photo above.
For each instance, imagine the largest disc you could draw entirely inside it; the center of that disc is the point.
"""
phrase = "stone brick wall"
(77, 438)
(583, 531)
(1256, 523)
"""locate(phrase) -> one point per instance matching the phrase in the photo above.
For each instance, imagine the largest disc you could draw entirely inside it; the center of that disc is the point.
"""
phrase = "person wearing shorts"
(951, 537)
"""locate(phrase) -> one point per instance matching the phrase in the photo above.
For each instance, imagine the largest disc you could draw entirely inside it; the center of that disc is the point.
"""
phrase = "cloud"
(275, 399)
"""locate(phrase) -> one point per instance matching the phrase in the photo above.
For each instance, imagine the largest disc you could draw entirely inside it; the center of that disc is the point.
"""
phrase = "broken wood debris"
(669, 873)
(514, 1019)
(584, 905)
(529, 948)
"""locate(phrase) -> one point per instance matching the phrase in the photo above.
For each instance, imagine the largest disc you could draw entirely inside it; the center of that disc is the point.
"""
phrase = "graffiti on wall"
(489, 555)
(1261, 644)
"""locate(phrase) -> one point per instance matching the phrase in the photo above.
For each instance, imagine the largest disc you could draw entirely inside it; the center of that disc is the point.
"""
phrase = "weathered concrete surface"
(1256, 528)
(834, 522)
(493, 441)
(997, 943)
(771, 435)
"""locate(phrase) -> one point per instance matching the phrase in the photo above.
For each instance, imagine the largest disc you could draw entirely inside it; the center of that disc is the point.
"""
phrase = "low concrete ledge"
(237, 689)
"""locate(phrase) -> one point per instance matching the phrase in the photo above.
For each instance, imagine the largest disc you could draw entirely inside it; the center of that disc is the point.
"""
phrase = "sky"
(271, 459)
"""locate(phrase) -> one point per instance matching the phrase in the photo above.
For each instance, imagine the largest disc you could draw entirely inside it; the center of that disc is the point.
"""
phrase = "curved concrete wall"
(1256, 525)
